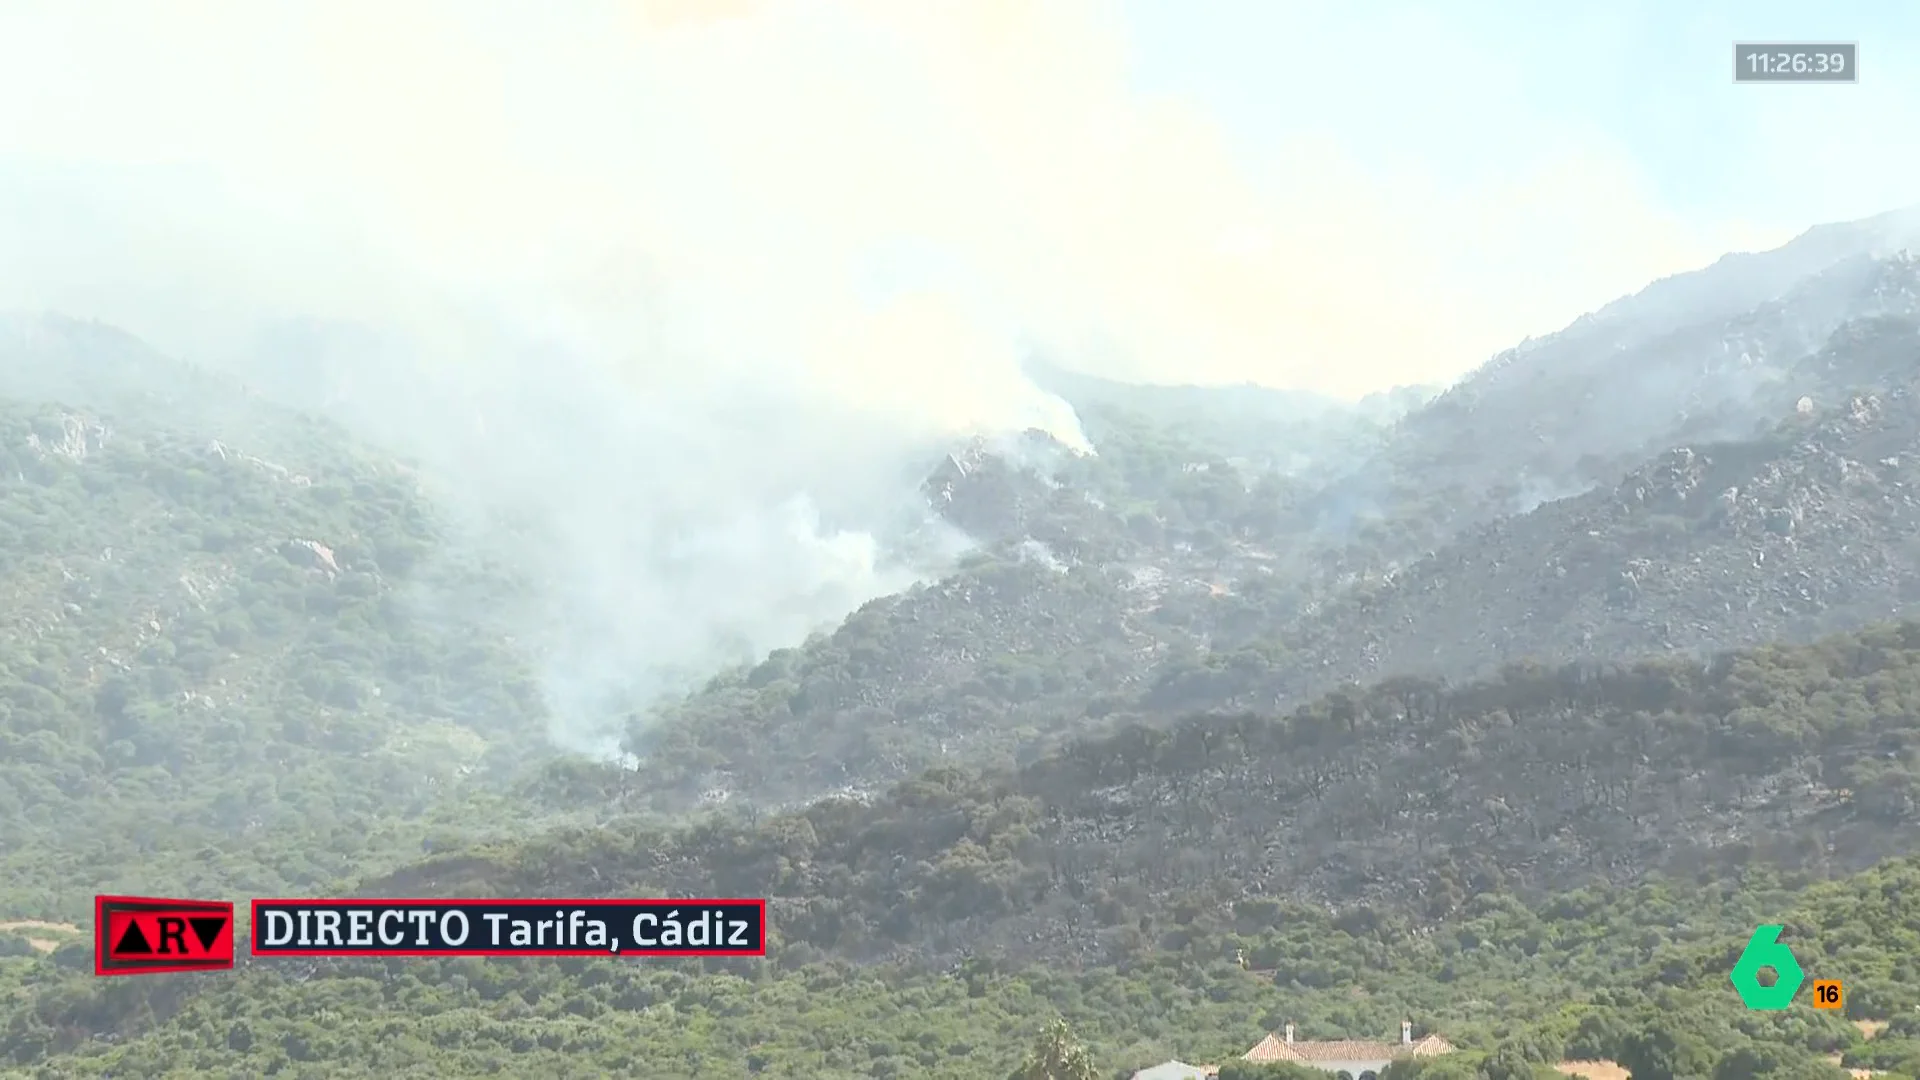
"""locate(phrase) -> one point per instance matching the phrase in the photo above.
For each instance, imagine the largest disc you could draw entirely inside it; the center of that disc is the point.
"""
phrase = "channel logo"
(1766, 951)
(149, 935)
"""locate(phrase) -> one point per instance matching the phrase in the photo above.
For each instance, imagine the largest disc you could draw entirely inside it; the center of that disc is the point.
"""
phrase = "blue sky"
(1468, 85)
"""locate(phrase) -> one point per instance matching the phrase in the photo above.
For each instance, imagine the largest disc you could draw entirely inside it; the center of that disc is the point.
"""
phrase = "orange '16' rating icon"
(1827, 994)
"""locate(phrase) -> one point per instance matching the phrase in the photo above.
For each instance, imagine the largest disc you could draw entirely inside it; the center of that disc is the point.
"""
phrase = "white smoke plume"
(693, 286)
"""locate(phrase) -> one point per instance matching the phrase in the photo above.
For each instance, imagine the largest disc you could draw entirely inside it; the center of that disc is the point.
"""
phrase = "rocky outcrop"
(1809, 529)
(1563, 414)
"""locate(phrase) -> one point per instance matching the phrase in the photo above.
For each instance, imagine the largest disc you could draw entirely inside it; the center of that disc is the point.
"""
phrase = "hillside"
(1700, 357)
(1582, 856)
(1590, 975)
(1071, 614)
(1087, 572)
(1410, 793)
(1805, 529)
(1515, 710)
(214, 677)
(1161, 573)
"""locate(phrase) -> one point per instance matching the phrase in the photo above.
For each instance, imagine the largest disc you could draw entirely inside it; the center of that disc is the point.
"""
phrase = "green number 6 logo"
(1765, 951)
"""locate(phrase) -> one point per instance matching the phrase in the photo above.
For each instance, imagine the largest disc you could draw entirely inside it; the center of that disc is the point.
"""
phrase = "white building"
(1174, 1070)
(1349, 1059)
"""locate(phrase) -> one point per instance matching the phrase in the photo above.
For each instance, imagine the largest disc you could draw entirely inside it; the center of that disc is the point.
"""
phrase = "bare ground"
(1593, 1070)
(1858, 1074)
(25, 928)
(1869, 1029)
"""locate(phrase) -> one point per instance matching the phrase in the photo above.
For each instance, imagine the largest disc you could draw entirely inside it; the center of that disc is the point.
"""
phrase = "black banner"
(419, 927)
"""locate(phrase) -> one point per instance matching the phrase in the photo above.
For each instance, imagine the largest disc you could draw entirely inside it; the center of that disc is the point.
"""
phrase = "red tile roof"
(1270, 1049)
(1274, 1048)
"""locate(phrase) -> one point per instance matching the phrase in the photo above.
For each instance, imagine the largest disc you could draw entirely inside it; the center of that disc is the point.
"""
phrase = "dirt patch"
(1858, 1074)
(1868, 1029)
(1594, 1070)
(25, 928)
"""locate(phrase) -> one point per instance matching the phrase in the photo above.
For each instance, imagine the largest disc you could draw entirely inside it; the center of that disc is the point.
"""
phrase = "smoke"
(689, 289)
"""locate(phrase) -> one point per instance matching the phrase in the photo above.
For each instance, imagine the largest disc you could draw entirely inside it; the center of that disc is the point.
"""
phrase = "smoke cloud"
(693, 288)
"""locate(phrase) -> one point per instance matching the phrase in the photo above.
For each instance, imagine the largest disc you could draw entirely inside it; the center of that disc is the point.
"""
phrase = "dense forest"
(1127, 872)
(1634, 975)
(1409, 792)
(211, 680)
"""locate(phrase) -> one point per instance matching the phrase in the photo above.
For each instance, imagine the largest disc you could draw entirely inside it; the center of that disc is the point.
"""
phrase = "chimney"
(1406, 1033)
(1289, 1031)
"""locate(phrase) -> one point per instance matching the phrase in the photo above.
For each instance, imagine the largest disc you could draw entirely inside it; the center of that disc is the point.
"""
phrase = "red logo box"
(148, 935)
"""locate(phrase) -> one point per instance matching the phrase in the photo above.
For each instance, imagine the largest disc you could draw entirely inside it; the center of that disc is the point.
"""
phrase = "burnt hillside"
(1409, 794)
(1806, 527)
(1805, 530)
(1573, 410)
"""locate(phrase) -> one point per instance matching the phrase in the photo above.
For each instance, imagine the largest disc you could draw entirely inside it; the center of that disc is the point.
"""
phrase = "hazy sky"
(1473, 90)
(885, 201)
(1585, 147)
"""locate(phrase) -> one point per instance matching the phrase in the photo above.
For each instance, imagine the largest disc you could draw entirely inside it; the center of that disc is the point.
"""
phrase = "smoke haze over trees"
(1125, 543)
(672, 293)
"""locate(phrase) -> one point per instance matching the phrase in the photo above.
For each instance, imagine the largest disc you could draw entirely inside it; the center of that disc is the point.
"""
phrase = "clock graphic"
(1796, 62)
